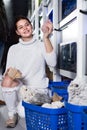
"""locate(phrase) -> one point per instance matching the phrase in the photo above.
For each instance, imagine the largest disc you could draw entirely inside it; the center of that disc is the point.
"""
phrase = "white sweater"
(30, 58)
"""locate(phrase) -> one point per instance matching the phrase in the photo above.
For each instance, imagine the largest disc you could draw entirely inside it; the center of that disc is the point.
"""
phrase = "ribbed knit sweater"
(31, 58)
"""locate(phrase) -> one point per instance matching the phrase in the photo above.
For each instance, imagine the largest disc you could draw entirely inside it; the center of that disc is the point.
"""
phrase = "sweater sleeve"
(10, 58)
(50, 58)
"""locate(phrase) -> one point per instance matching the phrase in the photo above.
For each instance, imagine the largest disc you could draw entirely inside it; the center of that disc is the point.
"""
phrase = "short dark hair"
(19, 18)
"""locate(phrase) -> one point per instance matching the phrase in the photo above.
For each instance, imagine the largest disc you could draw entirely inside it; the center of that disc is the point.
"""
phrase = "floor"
(3, 116)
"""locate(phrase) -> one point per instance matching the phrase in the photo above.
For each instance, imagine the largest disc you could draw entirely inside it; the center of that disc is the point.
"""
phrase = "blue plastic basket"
(85, 117)
(58, 83)
(39, 118)
(60, 88)
(75, 117)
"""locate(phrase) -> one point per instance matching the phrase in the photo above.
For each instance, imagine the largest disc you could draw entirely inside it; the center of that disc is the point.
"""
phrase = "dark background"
(9, 9)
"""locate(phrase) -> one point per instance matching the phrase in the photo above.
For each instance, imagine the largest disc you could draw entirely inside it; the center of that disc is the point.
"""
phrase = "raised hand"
(47, 28)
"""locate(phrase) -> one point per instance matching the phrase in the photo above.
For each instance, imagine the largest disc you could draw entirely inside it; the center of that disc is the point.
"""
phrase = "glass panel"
(67, 7)
(68, 57)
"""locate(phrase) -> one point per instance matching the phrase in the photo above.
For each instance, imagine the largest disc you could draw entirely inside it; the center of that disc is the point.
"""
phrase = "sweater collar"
(27, 42)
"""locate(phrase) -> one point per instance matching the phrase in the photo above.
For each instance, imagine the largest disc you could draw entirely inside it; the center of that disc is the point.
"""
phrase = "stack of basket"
(60, 88)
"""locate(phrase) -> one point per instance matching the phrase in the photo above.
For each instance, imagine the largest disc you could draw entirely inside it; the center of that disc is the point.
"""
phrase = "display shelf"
(69, 18)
